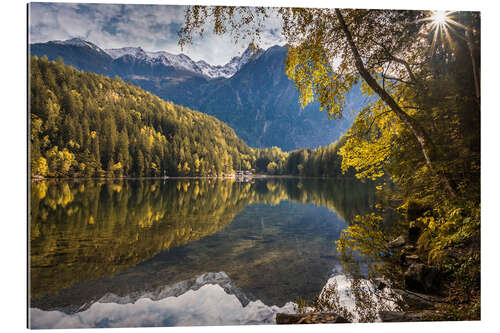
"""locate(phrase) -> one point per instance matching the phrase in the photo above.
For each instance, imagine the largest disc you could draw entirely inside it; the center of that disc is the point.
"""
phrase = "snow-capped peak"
(180, 61)
(248, 54)
(231, 67)
(79, 42)
(136, 52)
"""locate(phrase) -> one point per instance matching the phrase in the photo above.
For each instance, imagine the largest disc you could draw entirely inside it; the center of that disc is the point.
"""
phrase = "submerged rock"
(310, 318)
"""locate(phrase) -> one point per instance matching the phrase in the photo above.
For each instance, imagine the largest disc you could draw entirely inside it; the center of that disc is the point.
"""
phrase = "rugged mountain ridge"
(74, 51)
(251, 93)
(183, 62)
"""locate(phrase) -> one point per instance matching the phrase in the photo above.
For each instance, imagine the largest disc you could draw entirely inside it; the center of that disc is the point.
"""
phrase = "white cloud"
(153, 27)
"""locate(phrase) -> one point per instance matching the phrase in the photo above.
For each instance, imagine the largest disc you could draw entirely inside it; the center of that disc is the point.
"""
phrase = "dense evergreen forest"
(83, 124)
(318, 162)
(88, 125)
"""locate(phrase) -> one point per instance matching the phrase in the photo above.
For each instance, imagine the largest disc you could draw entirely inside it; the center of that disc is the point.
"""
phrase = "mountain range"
(251, 93)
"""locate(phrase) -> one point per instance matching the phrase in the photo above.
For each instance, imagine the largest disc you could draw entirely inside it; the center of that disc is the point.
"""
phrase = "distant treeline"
(89, 125)
(318, 162)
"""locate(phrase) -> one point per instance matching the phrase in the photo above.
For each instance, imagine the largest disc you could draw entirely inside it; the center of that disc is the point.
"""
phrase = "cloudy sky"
(153, 27)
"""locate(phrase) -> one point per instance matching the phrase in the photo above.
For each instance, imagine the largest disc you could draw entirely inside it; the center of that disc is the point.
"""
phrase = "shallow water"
(184, 252)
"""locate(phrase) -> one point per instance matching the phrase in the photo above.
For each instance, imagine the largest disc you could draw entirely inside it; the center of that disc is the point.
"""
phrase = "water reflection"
(357, 299)
(80, 231)
(210, 299)
(274, 238)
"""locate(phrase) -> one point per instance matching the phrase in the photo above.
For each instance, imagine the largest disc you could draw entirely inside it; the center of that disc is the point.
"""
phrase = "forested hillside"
(83, 124)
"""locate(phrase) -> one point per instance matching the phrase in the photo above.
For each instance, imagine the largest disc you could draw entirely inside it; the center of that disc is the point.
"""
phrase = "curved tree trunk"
(417, 130)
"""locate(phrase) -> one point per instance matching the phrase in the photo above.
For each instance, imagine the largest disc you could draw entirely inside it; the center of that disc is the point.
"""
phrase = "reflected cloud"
(210, 300)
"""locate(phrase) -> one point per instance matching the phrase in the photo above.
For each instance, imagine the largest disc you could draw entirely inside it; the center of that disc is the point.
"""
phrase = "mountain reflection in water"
(274, 239)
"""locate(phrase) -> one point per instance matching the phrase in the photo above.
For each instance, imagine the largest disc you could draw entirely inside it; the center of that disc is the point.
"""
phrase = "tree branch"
(395, 79)
(373, 120)
(398, 60)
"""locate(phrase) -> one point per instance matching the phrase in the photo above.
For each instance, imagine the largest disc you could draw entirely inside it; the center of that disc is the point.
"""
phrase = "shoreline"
(258, 176)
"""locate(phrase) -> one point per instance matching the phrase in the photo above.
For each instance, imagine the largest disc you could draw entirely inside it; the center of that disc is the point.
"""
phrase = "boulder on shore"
(393, 316)
(418, 301)
(398, 242)
(420, 278)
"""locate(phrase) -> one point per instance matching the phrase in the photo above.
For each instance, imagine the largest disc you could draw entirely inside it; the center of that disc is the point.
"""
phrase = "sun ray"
(448, 38)
(434, 39)
(455, 32)
(460, 25)
(441, 23)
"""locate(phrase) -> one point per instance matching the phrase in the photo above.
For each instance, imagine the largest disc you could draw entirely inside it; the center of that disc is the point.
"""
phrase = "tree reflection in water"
(84, 230)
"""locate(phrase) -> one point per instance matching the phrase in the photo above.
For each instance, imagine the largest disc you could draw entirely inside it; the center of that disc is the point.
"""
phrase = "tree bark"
(475, 72)
(417, 130)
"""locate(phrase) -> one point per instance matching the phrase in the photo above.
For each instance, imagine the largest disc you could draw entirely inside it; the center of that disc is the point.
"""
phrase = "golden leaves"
(309, 67)
(365, 235)
(369, 142)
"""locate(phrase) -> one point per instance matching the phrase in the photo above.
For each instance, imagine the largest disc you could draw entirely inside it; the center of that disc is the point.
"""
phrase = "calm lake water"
(184, 252)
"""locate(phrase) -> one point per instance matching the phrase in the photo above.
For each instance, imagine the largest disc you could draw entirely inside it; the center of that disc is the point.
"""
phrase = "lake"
(180, 252)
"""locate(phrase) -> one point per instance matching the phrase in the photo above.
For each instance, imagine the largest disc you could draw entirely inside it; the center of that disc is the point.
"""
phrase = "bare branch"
(384, 76)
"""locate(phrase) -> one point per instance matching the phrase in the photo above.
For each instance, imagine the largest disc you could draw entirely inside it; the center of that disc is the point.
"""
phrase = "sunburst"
(441, 23)
(439, 18)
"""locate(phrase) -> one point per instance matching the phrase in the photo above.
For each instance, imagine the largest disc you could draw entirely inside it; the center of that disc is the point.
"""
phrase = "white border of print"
(14, 156)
